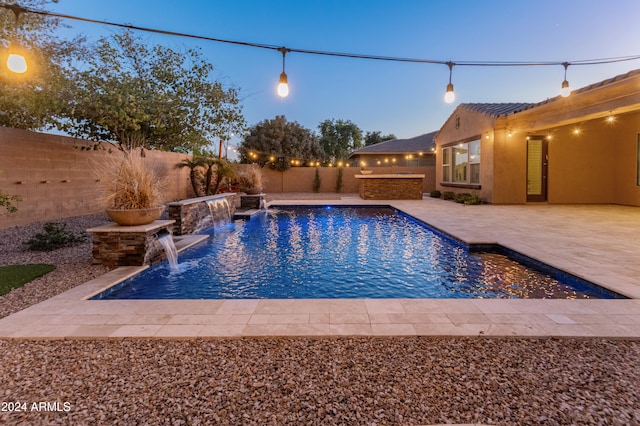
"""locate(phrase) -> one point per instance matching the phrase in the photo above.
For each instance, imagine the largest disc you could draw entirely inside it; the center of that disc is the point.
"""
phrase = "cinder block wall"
(56, 178)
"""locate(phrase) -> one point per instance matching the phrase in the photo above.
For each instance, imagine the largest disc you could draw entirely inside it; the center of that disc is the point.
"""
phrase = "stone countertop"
(114, 227)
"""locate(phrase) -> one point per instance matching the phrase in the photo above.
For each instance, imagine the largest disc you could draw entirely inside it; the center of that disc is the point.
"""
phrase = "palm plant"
(224, 170)
(193, 164)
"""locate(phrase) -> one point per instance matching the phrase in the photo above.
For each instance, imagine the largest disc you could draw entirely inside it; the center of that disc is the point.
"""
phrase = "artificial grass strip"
(14, 276)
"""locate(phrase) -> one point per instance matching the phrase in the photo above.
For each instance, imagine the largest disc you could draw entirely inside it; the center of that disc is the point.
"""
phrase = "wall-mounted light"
(449, 95)
(283, 85)
(565, 90)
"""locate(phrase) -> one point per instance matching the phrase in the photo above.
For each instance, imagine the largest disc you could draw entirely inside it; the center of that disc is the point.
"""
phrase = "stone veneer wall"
(391, 189)
(128, 248)
(195, 214)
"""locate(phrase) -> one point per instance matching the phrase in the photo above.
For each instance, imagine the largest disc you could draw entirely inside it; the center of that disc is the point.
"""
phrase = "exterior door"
(537, 165)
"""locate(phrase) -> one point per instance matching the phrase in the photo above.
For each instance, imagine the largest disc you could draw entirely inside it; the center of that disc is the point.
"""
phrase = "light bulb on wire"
(16, 62)
(283, 85)
(565, 90)
(450, 96)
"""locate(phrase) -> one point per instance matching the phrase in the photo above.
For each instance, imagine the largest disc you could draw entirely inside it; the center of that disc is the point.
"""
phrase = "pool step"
(245, 214)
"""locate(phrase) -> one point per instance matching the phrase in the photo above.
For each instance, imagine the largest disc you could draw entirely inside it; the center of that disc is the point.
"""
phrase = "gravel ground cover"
(351, 381)
(73, 264)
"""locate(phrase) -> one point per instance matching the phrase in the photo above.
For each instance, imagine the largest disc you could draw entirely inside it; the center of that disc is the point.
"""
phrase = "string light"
(449, 95)
(283, 85)
(15, 60)
(565, 90)
(283, 77)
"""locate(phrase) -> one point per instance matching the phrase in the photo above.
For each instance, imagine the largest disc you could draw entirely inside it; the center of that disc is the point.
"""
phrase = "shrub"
(250, 179)
(55, 235)
(339, 180)
(448, 195)
(6, 199)
(462, 198)
(435, 194)
(316, 181)
(473, 201)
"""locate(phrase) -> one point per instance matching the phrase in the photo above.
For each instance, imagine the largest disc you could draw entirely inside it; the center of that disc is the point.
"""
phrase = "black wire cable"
(327, 53)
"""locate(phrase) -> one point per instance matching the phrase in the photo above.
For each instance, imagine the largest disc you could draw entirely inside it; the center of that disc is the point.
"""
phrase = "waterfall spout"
(220, 211)
(166, 240)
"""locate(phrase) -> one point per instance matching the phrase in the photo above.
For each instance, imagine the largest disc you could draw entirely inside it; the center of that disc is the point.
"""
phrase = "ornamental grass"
(130, 184)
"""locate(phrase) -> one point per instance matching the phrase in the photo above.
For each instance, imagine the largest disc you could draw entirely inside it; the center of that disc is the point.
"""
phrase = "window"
(446, 164)
(461, 163)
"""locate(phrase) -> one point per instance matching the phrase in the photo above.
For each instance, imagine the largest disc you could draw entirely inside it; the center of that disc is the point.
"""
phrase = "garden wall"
(56, 178)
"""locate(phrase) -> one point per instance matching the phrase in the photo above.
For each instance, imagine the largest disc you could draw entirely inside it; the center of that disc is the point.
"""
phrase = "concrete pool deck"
(600, 243)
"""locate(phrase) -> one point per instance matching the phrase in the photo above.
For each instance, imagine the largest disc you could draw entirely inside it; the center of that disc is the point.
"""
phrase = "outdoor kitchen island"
(401, 186)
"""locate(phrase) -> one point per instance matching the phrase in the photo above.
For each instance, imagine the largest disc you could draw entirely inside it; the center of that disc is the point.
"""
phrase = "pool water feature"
(346, 252)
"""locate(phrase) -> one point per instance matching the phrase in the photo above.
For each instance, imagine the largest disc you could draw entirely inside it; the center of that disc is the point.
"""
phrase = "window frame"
(448, 166)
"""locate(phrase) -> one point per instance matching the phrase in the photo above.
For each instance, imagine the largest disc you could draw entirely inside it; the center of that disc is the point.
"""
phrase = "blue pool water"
(344, 252)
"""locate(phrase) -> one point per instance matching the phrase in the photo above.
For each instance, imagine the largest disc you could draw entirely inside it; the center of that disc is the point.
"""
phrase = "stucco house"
(584, 148)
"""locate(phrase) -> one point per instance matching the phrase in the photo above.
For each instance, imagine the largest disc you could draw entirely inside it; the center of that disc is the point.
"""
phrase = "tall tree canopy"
(277, 142)
(375, 137)
(339, 138)
(33, 100)
(150, 97)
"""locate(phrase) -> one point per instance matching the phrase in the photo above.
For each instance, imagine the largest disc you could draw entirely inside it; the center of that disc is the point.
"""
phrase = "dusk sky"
(405, 99)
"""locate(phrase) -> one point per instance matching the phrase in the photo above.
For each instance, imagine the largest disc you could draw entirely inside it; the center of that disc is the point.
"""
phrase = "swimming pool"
(346, 252)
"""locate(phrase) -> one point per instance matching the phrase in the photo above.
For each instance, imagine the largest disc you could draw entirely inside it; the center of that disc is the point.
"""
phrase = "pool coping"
(70, 315)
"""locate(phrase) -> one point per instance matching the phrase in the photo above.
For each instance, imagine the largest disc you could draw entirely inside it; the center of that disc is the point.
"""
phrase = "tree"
(371, 138)
(33, 100)
(153, 97)
(277, 142)
(339, 138)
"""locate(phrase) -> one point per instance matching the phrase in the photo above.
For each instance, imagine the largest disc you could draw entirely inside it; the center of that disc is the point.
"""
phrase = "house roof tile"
(497, 109)
(422, 143)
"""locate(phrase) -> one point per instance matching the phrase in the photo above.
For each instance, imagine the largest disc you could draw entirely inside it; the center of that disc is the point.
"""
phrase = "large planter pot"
(134, 217)
(253, 190)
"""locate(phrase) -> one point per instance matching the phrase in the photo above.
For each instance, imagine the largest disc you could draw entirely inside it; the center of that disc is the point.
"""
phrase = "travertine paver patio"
(597, 242)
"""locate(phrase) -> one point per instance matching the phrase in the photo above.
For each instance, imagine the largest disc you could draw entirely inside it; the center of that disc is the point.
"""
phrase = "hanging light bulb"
(16, 61)
(565, 90)
(449, 95)
(283, 85)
